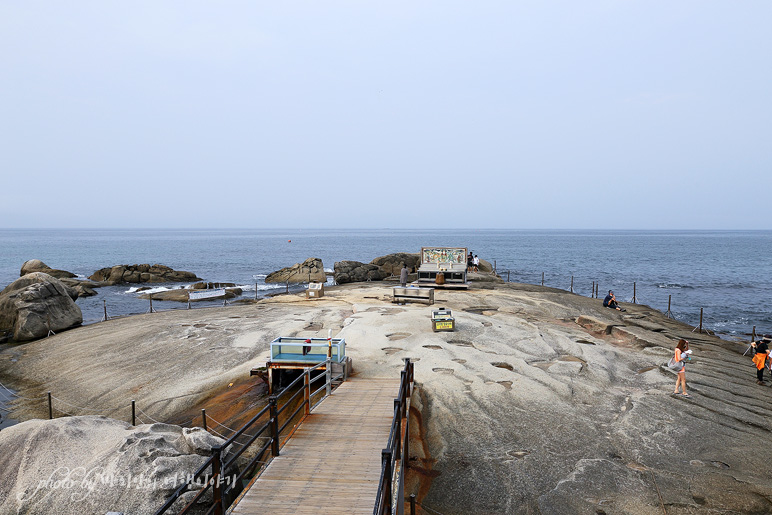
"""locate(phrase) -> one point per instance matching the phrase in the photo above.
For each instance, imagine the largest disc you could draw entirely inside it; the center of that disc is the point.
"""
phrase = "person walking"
(403, 276)
(677, 363)
(476, 263)
(760, 357)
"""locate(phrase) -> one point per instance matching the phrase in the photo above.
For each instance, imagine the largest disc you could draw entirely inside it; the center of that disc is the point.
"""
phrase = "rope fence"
(574, 286)
(56, 405)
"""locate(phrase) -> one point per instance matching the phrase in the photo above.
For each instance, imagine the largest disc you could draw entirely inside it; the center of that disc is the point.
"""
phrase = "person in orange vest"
(760, 358)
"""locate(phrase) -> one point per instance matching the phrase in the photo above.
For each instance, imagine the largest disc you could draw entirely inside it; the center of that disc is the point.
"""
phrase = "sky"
(597, 114)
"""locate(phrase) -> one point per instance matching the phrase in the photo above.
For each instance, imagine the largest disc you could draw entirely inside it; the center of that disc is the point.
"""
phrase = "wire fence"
(58, 406)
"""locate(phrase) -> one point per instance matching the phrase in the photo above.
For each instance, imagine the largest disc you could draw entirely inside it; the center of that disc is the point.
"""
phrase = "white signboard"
(206, 294)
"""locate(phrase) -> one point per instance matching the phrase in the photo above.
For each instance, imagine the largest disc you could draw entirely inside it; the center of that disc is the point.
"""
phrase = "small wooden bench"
(404, 294)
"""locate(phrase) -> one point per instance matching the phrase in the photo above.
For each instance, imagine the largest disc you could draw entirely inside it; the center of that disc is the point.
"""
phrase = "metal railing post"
(634, 299)
(328, 373)
(412, 504)
(701, 320)
(50, 407)
(274, 425)
(398, 433)
(133, 412)
(217, 480)
(203, 418)
(387, 476)
(307, 390)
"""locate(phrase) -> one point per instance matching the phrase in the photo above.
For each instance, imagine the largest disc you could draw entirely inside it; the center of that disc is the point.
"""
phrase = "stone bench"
(404, 294)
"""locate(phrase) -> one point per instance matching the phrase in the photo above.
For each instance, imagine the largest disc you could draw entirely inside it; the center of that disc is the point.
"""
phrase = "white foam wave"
(259, 276)
(157, 289)
(260, 287)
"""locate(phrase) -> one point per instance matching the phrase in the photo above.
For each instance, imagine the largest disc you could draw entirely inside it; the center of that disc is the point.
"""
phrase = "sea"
(727, 274)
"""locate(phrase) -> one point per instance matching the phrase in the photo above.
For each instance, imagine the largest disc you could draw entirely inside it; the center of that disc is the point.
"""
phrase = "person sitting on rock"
(611, 302)
(760, 358)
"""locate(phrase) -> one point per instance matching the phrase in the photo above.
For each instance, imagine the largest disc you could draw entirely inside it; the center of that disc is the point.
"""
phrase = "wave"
(675, 286)
(260, 287)
(135, 289)
(259, 276)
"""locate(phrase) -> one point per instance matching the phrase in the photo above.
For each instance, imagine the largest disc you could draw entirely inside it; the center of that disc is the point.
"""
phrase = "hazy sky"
(540, 114)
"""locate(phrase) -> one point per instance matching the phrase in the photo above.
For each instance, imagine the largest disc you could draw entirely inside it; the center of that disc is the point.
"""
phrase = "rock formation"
(310, 270)
(354, 272)
(36, 265)
(392, 263)
(142, 274)
(33, 304)
(92, 464)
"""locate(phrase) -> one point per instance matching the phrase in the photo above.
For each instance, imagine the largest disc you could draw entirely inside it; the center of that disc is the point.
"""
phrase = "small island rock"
(145, 273)
(310, 270)
(36, 265)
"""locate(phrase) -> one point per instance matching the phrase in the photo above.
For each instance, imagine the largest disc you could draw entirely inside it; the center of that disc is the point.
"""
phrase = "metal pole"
(105, 305)
(494, 266)
(507, 275)
(572, 284)
(50, 407)
(700, 320)
(255, 291)
(592, 292)
(133, 412)
(203, 418)
(387, 476)
(328, 373)
(307, 390)
(634, 300)
(398, 427)
(217, 480)
(274, 426)
(753, 334)
(287, 286)
(542, 278)
(412, 504)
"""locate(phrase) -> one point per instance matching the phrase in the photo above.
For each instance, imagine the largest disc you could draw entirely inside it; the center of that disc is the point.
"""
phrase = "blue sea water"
(728, 273)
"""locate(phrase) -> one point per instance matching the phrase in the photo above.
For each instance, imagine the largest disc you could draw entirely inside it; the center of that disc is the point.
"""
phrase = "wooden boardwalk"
(332, 464)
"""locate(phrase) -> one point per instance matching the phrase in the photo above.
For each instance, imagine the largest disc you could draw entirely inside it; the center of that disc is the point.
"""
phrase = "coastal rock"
(485, 267)
(392, 263)
(310, 270)
(33, 304)
(36, 265)
(95, 454)
(355, 272)
(80, 287)
(120, 274)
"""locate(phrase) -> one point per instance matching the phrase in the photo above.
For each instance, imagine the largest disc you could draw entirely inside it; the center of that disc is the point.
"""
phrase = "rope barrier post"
(634, 300)
(542, 278)
(203, 418)
(133, 412)
(255, 291)
(700, 320)
(328, 373)
(50, 407)
(104, 302)
(217, 480)
(412, 504)
(387, 476)
(572, 284)
(597, 288)
(507, 275)
(592, 292)
(307, 390)
(274, 425)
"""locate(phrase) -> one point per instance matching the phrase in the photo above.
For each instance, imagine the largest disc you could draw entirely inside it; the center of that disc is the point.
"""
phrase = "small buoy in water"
(289, 241)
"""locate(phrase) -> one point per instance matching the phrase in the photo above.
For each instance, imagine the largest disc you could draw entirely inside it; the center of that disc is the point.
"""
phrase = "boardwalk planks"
(332, 464)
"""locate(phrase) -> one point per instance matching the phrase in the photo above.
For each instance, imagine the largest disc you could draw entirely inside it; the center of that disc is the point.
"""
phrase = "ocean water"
(728, 273)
